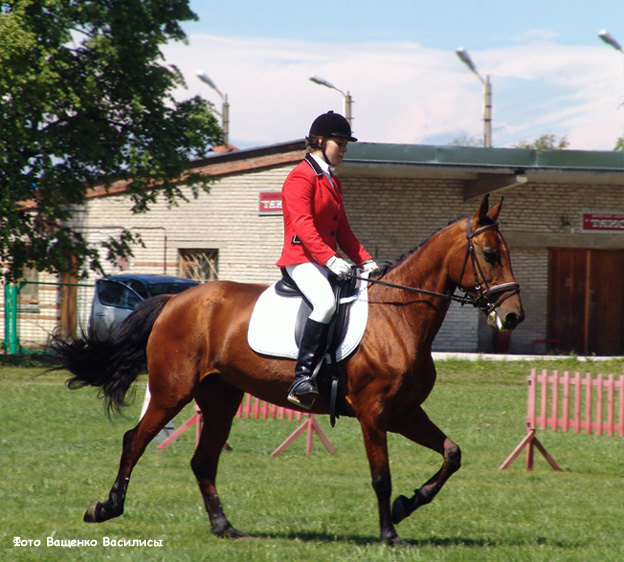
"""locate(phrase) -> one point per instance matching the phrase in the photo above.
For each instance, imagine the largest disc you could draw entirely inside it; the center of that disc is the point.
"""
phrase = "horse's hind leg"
(134, 443)
(218, 403)
(419, 428)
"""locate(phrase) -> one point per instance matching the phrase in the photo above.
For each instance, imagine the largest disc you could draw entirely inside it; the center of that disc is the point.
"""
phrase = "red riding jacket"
(315, 222)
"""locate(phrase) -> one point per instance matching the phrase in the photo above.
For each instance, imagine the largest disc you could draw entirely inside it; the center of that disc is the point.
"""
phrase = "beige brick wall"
(226, 219)
(393, 215)
(390, 216)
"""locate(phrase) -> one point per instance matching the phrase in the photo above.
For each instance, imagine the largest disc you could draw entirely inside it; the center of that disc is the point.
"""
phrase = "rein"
(483, 300)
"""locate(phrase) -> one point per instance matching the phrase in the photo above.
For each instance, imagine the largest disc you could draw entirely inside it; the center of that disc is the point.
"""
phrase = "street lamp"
(487, 96)
(348, 100)
(225, 108)
(609, 40)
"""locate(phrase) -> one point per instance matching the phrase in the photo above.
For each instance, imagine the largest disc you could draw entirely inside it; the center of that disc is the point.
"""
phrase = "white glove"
(370, 266)
(338, 266)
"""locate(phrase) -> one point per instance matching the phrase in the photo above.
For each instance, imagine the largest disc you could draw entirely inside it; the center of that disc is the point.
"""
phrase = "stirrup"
(306, 400)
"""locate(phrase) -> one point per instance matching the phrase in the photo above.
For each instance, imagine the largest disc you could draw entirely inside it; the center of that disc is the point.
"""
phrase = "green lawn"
(59, 452)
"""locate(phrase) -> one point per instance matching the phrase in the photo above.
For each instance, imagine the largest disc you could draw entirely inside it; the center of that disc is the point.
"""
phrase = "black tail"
(111, 364)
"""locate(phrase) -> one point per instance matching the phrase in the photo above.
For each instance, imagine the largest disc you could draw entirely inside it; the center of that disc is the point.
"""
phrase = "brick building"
(563, 218)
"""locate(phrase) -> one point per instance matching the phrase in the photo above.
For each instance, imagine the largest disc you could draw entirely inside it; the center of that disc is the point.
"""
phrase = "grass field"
(59, 452)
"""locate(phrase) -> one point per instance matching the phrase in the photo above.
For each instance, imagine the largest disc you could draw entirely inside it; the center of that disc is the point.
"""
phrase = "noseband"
(486, 299)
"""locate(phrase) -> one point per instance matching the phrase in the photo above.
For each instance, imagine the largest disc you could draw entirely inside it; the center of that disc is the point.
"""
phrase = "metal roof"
(513, 158)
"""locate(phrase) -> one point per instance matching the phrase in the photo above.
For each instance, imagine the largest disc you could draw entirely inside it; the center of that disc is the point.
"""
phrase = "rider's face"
(335, 149)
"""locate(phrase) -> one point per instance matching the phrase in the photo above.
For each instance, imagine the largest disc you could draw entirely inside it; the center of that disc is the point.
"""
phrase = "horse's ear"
(495, 211)
(483, 209)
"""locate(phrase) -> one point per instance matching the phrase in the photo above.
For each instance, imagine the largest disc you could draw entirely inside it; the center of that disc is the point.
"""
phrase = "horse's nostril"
(511, 320)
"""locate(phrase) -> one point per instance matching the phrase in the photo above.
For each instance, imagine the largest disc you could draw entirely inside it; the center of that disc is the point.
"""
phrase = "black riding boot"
(313, 345)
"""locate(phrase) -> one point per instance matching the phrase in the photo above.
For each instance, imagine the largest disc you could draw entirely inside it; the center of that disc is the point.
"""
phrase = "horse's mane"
(389, 265)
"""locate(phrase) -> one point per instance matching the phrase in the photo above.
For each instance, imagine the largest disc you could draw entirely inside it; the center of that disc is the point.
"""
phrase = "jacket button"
(333, 233)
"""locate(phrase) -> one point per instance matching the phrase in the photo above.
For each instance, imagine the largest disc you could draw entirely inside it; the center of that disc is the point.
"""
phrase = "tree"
(545, 142)
(85, 99)
(466, 140)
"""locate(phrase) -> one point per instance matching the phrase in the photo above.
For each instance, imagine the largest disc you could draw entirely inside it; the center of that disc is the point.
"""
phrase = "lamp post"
(487, 96)
(609, 40)
(348, 100)
(225, 107)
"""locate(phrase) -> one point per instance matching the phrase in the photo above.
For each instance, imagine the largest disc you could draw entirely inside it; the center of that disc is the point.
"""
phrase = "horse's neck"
(421, 315)
(428, 267)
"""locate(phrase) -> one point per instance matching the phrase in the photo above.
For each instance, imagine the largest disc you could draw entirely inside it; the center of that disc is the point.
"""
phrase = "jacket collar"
(314, 164)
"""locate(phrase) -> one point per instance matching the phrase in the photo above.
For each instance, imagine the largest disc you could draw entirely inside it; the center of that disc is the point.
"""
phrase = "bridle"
(488, 298)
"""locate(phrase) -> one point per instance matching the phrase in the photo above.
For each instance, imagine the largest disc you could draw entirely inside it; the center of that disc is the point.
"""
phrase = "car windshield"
(169, 288)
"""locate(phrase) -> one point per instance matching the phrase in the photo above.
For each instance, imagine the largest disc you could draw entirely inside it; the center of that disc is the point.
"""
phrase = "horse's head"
(483, 269)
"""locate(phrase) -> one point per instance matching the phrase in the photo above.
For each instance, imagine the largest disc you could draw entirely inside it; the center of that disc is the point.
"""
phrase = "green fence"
(35, 310)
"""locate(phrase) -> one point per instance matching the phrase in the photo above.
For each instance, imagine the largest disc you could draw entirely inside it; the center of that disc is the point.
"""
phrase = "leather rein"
(485, 298)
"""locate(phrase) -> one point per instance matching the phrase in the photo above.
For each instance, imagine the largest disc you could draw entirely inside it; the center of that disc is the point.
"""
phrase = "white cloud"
(406, 93)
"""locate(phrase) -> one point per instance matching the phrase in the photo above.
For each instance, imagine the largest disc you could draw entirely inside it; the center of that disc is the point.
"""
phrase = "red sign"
(605, 222)
(270, 203)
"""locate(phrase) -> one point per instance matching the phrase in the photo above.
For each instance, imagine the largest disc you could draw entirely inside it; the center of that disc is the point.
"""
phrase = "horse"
(194, 346)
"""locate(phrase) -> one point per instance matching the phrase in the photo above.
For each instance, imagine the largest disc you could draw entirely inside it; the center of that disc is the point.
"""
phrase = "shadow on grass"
(30, 360)
(430, 541)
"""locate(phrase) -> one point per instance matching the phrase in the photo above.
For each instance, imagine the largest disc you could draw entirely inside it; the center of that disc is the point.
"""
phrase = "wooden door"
(605, 334)
(586, 300)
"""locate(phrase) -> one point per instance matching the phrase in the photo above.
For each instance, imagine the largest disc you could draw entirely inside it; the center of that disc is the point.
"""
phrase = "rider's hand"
(371, 266)
(338, 266)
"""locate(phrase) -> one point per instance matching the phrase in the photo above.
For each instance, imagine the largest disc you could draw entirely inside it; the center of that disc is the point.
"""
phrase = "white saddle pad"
(272, 325)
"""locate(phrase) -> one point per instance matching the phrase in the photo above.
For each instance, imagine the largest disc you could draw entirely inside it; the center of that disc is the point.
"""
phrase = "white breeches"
(312, 281)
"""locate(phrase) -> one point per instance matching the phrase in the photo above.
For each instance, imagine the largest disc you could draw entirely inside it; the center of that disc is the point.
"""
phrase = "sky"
(550, 73)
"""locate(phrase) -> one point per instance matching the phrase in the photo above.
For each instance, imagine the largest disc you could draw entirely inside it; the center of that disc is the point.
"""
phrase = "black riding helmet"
(331, 124)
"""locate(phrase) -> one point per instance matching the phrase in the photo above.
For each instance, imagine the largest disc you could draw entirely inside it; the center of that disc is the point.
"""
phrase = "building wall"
(225, 219)
(390, 215)
(393, 215)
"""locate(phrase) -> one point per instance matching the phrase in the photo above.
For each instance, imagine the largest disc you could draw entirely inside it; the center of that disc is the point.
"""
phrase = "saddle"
(277, 321)
(345, 292)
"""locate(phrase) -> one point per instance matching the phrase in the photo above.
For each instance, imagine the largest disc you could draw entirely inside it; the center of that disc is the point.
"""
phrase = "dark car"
(116, 297)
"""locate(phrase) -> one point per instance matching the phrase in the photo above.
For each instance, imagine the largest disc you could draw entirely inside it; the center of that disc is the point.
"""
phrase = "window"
(199, 265)
(116, 294)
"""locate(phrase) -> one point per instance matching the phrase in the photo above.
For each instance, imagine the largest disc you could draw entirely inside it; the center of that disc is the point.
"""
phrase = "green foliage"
(86, 100)
(548, 141)
(619, 145)
(60, 453)
(466, 140)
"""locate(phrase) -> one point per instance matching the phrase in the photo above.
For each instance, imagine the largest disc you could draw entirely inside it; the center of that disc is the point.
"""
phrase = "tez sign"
(604, 222)
(270, 203)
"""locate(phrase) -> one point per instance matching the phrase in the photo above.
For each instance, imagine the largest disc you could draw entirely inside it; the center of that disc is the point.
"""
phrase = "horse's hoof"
(396, 541)
(90, 515)
(400, 509)
(230, 532)
(233, 533)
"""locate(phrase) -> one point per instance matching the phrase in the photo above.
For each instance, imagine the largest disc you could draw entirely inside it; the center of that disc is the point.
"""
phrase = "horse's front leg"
(419, 428)
(376, 444)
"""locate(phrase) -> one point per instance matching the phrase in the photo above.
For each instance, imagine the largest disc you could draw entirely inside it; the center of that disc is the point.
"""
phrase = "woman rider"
(315, 223)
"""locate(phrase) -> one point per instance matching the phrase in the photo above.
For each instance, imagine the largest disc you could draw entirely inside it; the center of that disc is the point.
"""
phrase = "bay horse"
(195, 347)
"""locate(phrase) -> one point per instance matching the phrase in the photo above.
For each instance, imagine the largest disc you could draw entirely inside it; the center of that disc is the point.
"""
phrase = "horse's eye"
(490, 255)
